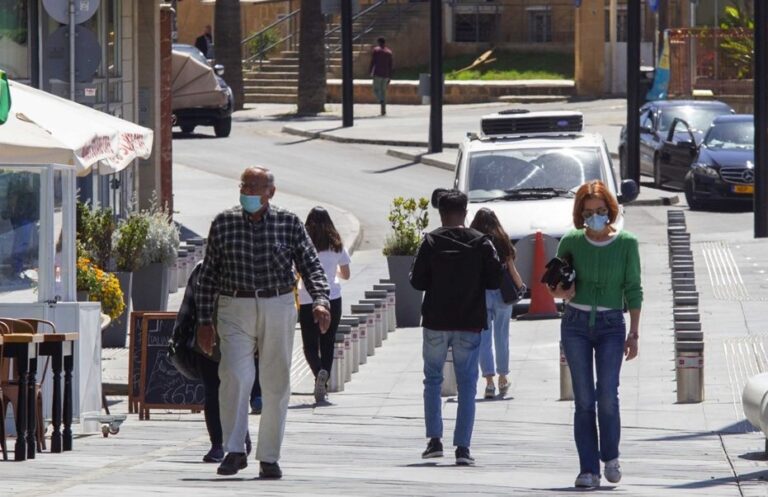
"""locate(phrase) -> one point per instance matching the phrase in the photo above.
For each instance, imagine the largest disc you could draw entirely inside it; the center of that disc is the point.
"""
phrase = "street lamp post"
(761, 120)
(347, 90)
(633, 93)
(436, 77)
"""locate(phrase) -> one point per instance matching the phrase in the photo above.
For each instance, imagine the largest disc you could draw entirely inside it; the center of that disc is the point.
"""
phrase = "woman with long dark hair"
(318, 346)
(499, 312)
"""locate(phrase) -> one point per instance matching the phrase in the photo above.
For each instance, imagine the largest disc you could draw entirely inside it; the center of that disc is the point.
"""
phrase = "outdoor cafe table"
(60, 347)
(22, 347)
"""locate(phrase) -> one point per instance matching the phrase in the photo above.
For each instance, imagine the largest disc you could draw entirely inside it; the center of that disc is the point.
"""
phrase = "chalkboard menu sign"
(154, 381)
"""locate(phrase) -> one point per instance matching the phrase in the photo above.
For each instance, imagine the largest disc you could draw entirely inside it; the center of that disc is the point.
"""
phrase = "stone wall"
(456, 92)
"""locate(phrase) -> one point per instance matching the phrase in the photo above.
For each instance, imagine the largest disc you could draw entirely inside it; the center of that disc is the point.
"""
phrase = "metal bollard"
(449, 387)
(391, 301)
(354, 323)
(369, 311)
(198, 244)
(566, 385)
(347, 352)
(385, 311)
(336, 383)
(354, 360)
(690, 371)
(754, 399)
(378, 318)
(362, 330)
(183, 274)
(173, 276)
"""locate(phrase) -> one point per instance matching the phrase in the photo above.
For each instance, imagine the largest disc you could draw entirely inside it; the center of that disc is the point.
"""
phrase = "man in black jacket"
(454, 267)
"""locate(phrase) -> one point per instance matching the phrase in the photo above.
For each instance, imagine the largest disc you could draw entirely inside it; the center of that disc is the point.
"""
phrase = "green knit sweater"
(606, 276)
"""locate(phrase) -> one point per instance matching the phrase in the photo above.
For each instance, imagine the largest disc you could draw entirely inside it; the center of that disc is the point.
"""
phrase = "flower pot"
(408, 308)
(149, 290)
(115, 333)
(82, 295)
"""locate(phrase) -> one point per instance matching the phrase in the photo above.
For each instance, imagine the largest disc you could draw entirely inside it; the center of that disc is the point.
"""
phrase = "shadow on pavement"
(178, 135)
(395, 168)
(714, 482)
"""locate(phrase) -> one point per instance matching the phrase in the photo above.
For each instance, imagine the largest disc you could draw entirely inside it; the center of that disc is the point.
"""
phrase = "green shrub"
(408, 218)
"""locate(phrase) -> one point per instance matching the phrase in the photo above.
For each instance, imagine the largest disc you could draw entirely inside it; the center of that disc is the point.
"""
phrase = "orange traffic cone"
(542, 303)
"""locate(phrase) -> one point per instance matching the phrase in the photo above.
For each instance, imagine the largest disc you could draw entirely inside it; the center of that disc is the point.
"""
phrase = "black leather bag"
(183, 356)
(510, 293)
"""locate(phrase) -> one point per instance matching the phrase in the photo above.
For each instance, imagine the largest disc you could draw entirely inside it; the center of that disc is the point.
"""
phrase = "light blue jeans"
(499, 314)
(465, 346)
(589, 350)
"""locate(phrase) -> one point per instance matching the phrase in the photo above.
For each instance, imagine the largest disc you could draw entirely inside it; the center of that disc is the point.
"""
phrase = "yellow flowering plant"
(101, 287)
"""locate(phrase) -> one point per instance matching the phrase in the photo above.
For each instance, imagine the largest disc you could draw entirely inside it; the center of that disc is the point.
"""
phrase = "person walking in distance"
(204, 42)
(593, 331)
(248, 266)
(496, 332)
(382, 64)
(454, 267)
(318, 345)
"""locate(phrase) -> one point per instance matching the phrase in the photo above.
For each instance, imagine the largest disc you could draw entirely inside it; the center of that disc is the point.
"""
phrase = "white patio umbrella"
(46, 129)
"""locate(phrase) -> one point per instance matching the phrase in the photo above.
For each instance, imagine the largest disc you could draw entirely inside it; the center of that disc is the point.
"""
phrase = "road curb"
(671, 200)
(422, 158)
(325, 135)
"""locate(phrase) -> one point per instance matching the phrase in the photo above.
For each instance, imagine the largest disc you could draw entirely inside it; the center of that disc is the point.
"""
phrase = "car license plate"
(743, 188)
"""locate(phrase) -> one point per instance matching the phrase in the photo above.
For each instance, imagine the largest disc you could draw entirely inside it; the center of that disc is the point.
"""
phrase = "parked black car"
(205, 104)
(721, 168)
(655, 122)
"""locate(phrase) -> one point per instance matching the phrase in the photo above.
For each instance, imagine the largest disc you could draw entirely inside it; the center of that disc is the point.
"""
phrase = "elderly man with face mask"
(248, 275)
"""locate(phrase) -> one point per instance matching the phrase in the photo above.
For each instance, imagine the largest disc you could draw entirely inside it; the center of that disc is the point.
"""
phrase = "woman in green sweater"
(593, 331)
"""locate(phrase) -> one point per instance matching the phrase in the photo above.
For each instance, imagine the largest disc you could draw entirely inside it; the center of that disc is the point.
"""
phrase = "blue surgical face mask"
(250, 203)
(597, 222)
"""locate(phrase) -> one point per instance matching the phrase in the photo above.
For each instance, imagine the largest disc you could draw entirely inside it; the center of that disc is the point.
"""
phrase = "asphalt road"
(360, 179)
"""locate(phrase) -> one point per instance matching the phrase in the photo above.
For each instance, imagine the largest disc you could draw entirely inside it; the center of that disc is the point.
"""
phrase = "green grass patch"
(508, 65)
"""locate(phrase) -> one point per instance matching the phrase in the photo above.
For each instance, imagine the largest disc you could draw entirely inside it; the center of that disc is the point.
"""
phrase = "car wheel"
(656, 172)
(223, 127)
(690, 197)
(187, 128)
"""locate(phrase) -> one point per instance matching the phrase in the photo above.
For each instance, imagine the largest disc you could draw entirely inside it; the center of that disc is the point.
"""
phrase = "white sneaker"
(613, 471)
(587, 480)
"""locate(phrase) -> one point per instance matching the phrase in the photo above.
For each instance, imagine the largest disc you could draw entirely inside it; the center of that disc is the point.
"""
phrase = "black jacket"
(454, 267)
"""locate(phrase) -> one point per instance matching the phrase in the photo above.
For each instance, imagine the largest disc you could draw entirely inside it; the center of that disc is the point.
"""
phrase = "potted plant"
(150, 281)
(127, 243)
(100, 286)
(408, 218)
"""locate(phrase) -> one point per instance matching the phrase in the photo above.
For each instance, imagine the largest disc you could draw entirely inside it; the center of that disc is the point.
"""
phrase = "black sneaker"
(463, 458)
(434, 449)
(270, 470)
(232, 463)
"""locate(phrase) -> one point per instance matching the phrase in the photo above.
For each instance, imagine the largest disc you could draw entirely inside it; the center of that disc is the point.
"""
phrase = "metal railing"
(292, 35)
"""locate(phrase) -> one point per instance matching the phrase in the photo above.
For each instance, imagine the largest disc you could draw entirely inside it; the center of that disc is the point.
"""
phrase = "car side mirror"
(629, 191)
(218, 69)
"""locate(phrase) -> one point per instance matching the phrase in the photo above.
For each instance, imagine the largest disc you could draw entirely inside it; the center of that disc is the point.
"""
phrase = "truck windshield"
(494, 172)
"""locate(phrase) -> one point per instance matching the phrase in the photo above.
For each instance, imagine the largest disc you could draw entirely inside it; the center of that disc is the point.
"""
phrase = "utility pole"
(761, 120)
(347, 90)
(436, 77)
(633, 87)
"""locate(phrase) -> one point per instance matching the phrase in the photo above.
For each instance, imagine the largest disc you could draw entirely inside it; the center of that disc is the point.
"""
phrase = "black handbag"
(510, 292)
(183, 356)
(559, 271)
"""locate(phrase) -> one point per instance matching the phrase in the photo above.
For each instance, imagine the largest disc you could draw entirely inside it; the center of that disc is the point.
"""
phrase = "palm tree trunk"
(312, 90)
(227, 37)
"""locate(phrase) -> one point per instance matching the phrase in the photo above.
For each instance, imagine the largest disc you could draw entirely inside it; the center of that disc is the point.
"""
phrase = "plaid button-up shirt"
(248, 255)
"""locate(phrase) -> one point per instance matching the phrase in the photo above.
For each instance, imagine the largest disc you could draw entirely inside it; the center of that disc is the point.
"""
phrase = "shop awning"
(43, 127)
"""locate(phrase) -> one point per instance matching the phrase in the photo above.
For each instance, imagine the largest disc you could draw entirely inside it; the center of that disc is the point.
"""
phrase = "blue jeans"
(603, 346)
(499, 314)
(465, 346)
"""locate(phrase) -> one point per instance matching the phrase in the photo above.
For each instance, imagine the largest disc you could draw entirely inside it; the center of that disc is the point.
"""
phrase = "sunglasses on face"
(587, 213)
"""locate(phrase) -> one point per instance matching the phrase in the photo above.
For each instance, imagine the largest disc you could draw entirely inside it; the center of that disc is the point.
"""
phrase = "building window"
(621, 25)
(474, 27)
(14, 42)
(539, 25)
